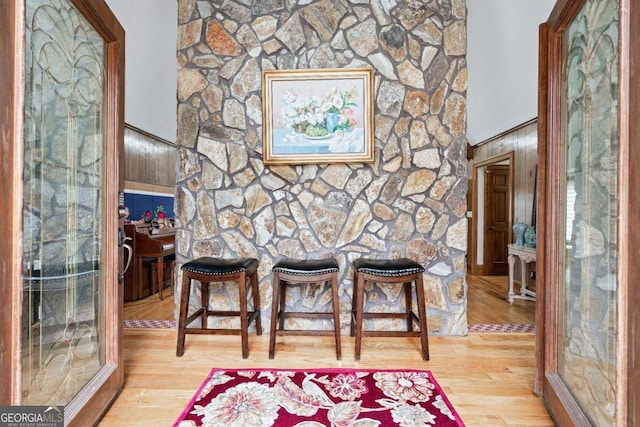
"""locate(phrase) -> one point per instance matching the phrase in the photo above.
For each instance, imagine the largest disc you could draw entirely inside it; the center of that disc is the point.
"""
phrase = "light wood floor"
(488, 377)
(486, 303)
(151, 308)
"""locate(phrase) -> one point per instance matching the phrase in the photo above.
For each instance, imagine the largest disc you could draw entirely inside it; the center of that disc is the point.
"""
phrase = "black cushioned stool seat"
(297, 272)
(207, 270)
(403, 271)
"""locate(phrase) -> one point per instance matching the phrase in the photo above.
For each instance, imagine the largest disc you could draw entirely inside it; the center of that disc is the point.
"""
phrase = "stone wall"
(410, 202)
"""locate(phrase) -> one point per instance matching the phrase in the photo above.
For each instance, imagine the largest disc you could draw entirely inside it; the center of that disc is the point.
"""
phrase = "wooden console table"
(527, 255)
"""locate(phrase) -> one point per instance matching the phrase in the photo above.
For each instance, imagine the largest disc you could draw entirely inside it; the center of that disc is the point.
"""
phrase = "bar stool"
(209, 270)
(296, 272)
(404, 271)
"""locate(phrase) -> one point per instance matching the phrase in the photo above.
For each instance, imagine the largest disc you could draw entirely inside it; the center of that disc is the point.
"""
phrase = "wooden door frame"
(12, 78)
(473, 250)
(12, 55)
(629, 207)
(560, 401)
(541, 206)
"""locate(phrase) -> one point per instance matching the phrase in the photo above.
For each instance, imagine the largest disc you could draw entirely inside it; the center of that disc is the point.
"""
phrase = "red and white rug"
(317, 398)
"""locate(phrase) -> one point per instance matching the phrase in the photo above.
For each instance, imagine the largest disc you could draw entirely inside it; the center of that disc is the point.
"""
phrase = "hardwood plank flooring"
(151, 308)
(488, 377)
(488, 302)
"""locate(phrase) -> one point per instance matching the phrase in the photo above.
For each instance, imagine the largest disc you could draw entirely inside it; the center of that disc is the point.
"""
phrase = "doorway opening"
(492, 207)
(491, 215)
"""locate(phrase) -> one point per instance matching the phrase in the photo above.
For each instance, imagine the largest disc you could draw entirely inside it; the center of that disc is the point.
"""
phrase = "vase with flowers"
(337, 107)
(319, 116)
(159, 212)
(332, 121)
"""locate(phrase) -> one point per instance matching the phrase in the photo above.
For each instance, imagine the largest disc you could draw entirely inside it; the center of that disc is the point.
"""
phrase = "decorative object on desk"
(164, 225)
(318, 116)
(337, 397)
(157, 217)
(530, 236)
(519, 228)
(159, 213)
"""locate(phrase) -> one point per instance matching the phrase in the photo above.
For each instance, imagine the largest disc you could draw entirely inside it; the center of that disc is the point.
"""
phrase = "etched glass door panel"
(586, 341)
(66, 240)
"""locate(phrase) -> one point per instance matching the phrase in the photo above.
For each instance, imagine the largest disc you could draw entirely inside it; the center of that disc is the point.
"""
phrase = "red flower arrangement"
(159, 213)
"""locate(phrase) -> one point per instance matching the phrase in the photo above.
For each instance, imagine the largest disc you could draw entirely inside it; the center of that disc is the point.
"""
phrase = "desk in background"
(155, 250)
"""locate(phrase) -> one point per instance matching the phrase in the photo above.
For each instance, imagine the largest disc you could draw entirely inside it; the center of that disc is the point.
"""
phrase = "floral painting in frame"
(318, 116)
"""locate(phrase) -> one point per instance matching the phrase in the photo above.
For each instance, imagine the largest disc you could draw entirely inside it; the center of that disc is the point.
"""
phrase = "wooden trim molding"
(506, 132)
(12, 58)
(541, 273)
(469, 152)
(629, 220)
(149, 188)
(149, 135)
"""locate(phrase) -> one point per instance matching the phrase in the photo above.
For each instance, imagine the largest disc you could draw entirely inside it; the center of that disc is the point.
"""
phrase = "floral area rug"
(314, 398)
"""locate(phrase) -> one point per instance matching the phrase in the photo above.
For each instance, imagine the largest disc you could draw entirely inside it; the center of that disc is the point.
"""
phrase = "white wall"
(151, 76)
(502, 60)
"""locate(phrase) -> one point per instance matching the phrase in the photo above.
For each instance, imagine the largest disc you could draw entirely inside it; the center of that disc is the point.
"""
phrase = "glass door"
(587, 281)
(69, 351)
(587, 204)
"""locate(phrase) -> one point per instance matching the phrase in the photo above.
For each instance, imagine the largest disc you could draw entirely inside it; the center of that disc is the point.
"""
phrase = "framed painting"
(317, 116)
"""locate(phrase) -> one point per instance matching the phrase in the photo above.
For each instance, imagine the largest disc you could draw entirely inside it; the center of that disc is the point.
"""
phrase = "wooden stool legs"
(210, 270)
(402, 271)
(301, 272)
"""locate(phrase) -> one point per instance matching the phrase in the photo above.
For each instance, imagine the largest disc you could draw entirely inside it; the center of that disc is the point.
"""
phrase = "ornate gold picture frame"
(318, 116)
